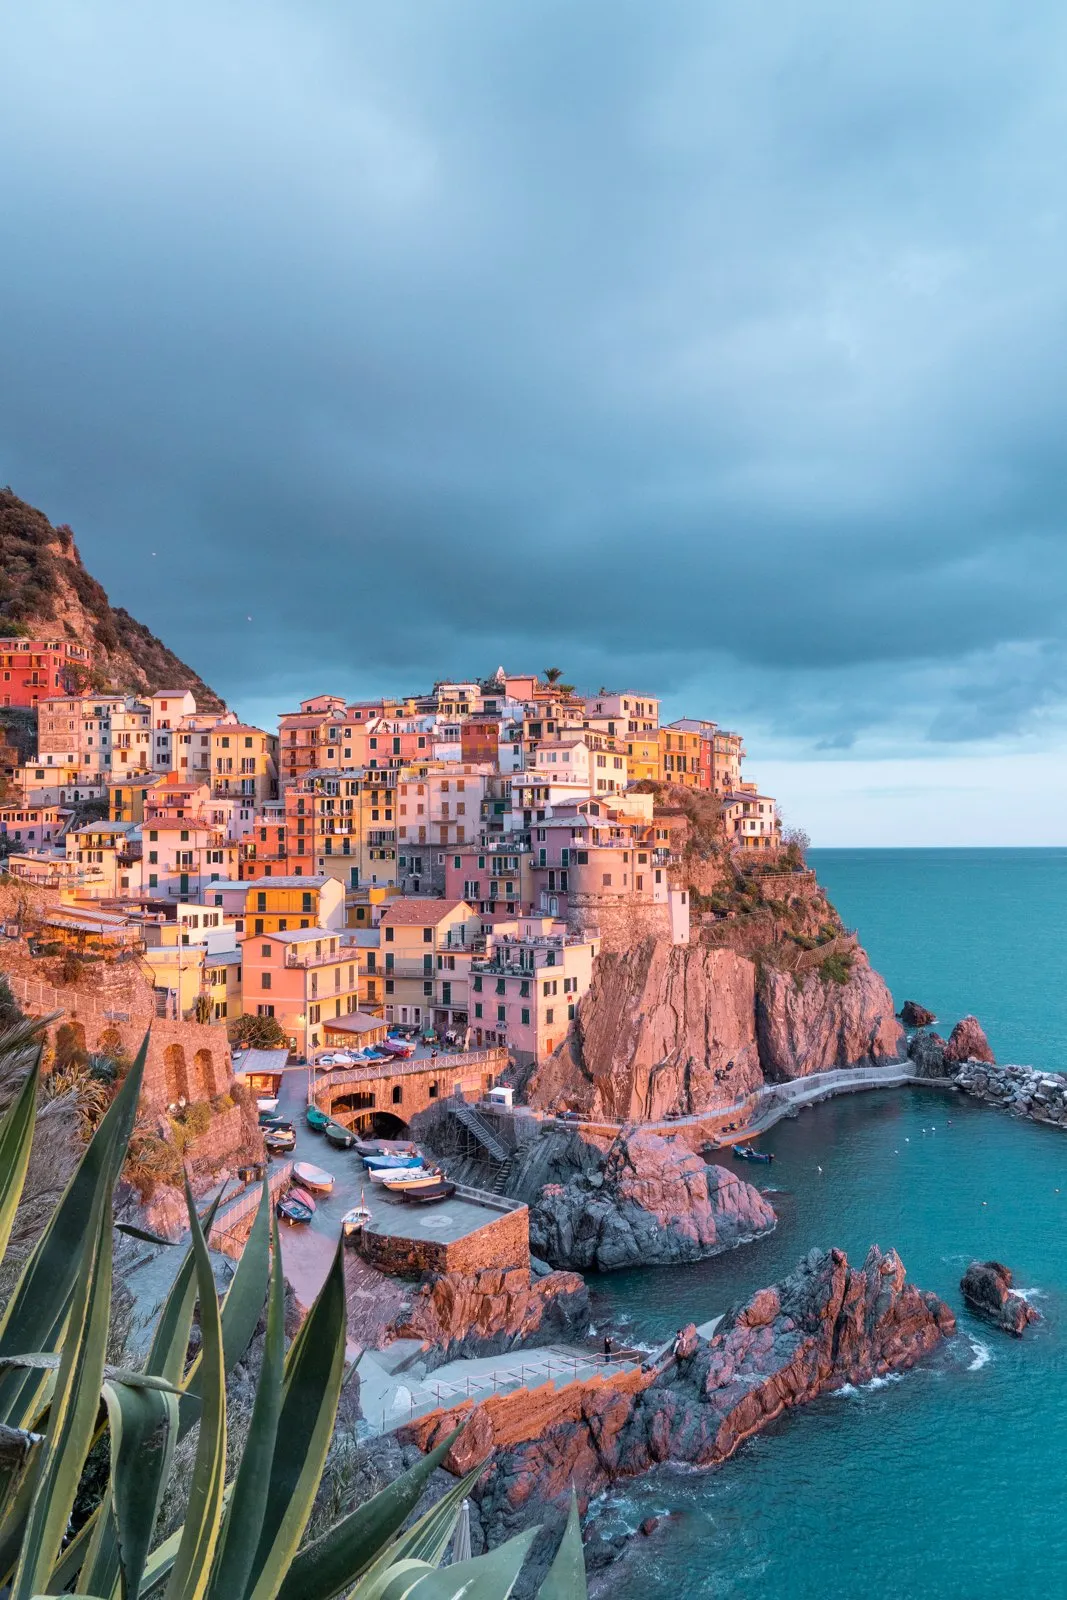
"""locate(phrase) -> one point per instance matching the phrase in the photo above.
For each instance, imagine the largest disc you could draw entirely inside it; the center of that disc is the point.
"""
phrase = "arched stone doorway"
(204, 1063)
(384, 1125)
(176, 1070)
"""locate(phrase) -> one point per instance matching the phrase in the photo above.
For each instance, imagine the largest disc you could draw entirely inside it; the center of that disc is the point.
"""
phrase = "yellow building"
(644, 759)
(126, 799)
(412, 934)
(680, 757)
(244, 763)
(276, 905)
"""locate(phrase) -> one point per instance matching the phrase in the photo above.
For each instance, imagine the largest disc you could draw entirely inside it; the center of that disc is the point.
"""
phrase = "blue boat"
(373, 1162)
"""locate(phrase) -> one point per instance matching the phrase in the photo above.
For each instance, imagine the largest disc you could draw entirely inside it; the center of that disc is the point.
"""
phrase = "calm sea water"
(951, 1481)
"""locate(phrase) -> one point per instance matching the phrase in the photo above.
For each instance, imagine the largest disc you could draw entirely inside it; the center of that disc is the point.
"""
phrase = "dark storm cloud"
(708, 347)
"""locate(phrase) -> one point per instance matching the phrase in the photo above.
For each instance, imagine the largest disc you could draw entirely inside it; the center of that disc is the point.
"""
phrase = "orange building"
(31, 670)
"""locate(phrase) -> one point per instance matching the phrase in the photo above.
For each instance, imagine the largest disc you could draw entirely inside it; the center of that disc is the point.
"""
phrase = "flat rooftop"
(446, 1221)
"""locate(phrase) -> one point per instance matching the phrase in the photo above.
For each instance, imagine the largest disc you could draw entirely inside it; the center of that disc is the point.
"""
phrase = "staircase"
(480, 1130)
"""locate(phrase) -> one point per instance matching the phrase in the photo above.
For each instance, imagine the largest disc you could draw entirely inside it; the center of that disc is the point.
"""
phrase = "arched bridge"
(383, 1097)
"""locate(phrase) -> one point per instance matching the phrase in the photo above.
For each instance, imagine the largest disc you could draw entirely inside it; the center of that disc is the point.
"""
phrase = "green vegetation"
(836, 968)
(256, 1033)
(77, 1431)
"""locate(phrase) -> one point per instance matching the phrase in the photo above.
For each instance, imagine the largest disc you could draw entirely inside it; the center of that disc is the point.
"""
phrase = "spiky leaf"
(565, 1579)
(16, 1139)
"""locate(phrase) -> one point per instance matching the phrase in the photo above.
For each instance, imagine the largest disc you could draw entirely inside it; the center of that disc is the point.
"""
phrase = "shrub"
(258, 1033)
(836, 968)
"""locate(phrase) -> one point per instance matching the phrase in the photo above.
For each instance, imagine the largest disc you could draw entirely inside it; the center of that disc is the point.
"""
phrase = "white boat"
(313, 1177)
(423, 1178)
(355, 1220)
(394, 1174)
(267, 1103)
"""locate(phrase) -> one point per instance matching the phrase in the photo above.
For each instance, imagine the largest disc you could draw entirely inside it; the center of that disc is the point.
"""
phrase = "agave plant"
(240, 1539)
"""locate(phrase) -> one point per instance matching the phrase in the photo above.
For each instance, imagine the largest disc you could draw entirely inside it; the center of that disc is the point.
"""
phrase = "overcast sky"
(717, 349)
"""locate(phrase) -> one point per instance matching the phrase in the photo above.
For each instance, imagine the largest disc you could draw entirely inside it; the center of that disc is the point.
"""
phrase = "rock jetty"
(1025, 1092)
(825, 1325)
(648, 1202)
(987, 1289)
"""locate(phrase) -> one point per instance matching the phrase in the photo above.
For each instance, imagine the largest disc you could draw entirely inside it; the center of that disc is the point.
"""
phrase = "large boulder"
(967, 1042)
(461, 1314)
(987, 1289)
(913, 1015)
(650, 1201)
(927, 1053)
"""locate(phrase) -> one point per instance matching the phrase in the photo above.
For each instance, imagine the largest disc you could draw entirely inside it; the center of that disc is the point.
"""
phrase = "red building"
(33, 669)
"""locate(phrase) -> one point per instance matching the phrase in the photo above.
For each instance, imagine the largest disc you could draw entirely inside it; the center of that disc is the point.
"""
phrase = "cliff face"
(44, 588)
(675, 1029)
(649, 1203)
(821, 1023)
(488, 1312)
(825, 1325)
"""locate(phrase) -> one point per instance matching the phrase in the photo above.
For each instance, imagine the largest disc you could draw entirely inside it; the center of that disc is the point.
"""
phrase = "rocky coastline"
(458, 1315)
(647, 1202)
(987, 1289)
(967, 1063)
(825, 1325)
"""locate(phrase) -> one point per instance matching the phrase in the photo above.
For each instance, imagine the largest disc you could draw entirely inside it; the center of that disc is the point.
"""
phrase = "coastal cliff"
(825, 1325)
(457, 1315)
(669, 1030)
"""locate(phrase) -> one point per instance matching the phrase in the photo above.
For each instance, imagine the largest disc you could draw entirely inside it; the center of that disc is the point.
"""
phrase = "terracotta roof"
(419, 913)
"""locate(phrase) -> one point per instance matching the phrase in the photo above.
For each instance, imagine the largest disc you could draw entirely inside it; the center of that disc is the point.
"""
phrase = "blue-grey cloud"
(680, 345)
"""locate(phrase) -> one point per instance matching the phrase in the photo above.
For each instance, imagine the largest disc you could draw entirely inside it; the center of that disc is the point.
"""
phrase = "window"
(305, 902)
(264, 980)
(501, 1014)
(388, 935)
(549, 1015)
(398, 1093)
(390, 986)
(477, 1008)
(607, 880)
(570, 1013)
(427, 935)
(264, 1011)
(525, 1015)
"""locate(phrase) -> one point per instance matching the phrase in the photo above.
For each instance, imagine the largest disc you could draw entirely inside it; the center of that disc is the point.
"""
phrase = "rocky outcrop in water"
(967, 1042)
(647, 1202)
(1025, 1092)
(987, 1289)
(913, 1015)
(818, 1023)
(825, 1325)
(927, 1053)
(485, 1313)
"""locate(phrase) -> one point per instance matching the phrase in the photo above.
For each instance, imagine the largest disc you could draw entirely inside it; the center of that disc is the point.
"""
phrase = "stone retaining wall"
(503, 1241)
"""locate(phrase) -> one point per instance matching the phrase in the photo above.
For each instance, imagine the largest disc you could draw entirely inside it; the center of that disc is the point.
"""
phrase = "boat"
(267, 1117)
(293, 1211)
(354, 1221)
(313, 1177)
(279, 1138)
(391, 1159)
(744, 1153)
(316, 1119)
(413, 1179)
(368, 1147)
(340, 1137)
(397, 1174)
(398, 1047)
(426, 1194)
(305, 1198)
(267, 1103)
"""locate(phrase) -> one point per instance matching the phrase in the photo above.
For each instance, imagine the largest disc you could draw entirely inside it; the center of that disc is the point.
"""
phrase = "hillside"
(44, 588)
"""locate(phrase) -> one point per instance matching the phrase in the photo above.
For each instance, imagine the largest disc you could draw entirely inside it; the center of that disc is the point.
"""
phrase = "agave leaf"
(192, 1564)
(333, 1562)
(43, 1361)
(161, 1561)
(425, 1541)
(16, 1138)
(17, 1501)
(77, 1551)
(565, 1579)
(243, 1524)
(488, 1577)
(144, 1431)
(314, 1368)
(242, 1307)
(166, 1357)
(75, 1402)
(145, 1234)
(36, 1313)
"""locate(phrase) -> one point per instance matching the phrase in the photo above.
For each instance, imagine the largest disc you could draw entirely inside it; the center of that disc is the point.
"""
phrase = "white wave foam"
(982, 1354)
(852, 1391)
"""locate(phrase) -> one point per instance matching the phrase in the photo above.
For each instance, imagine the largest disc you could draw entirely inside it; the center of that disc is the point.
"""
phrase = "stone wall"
(115, 998)
(619, 923)
(503, 1241)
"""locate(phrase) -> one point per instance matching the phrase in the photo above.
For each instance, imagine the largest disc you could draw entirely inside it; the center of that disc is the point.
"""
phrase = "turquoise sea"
(952, 1480)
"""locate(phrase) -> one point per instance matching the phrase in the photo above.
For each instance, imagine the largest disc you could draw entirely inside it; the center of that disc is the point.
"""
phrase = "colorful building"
(34, 670)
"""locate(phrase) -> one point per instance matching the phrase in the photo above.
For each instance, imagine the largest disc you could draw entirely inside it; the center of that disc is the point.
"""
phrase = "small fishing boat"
(267, 1103)
(316, 1119)
(266, 1118)
(745, 1153)
(279, 1138)
(355, 1221)
(427, 1194)
(340, 1137)
(397, 1174)
(413, 1180)
(391, 1159)
(302, 1196)
(368, 1147)
(294, 1211)
(398, 1047)
(313, 1177)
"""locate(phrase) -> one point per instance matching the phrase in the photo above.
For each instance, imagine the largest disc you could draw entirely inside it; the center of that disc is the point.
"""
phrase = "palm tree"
(553, 674)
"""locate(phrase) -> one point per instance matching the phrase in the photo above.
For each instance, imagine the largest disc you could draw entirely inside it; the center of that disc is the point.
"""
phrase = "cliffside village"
(444, 861)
